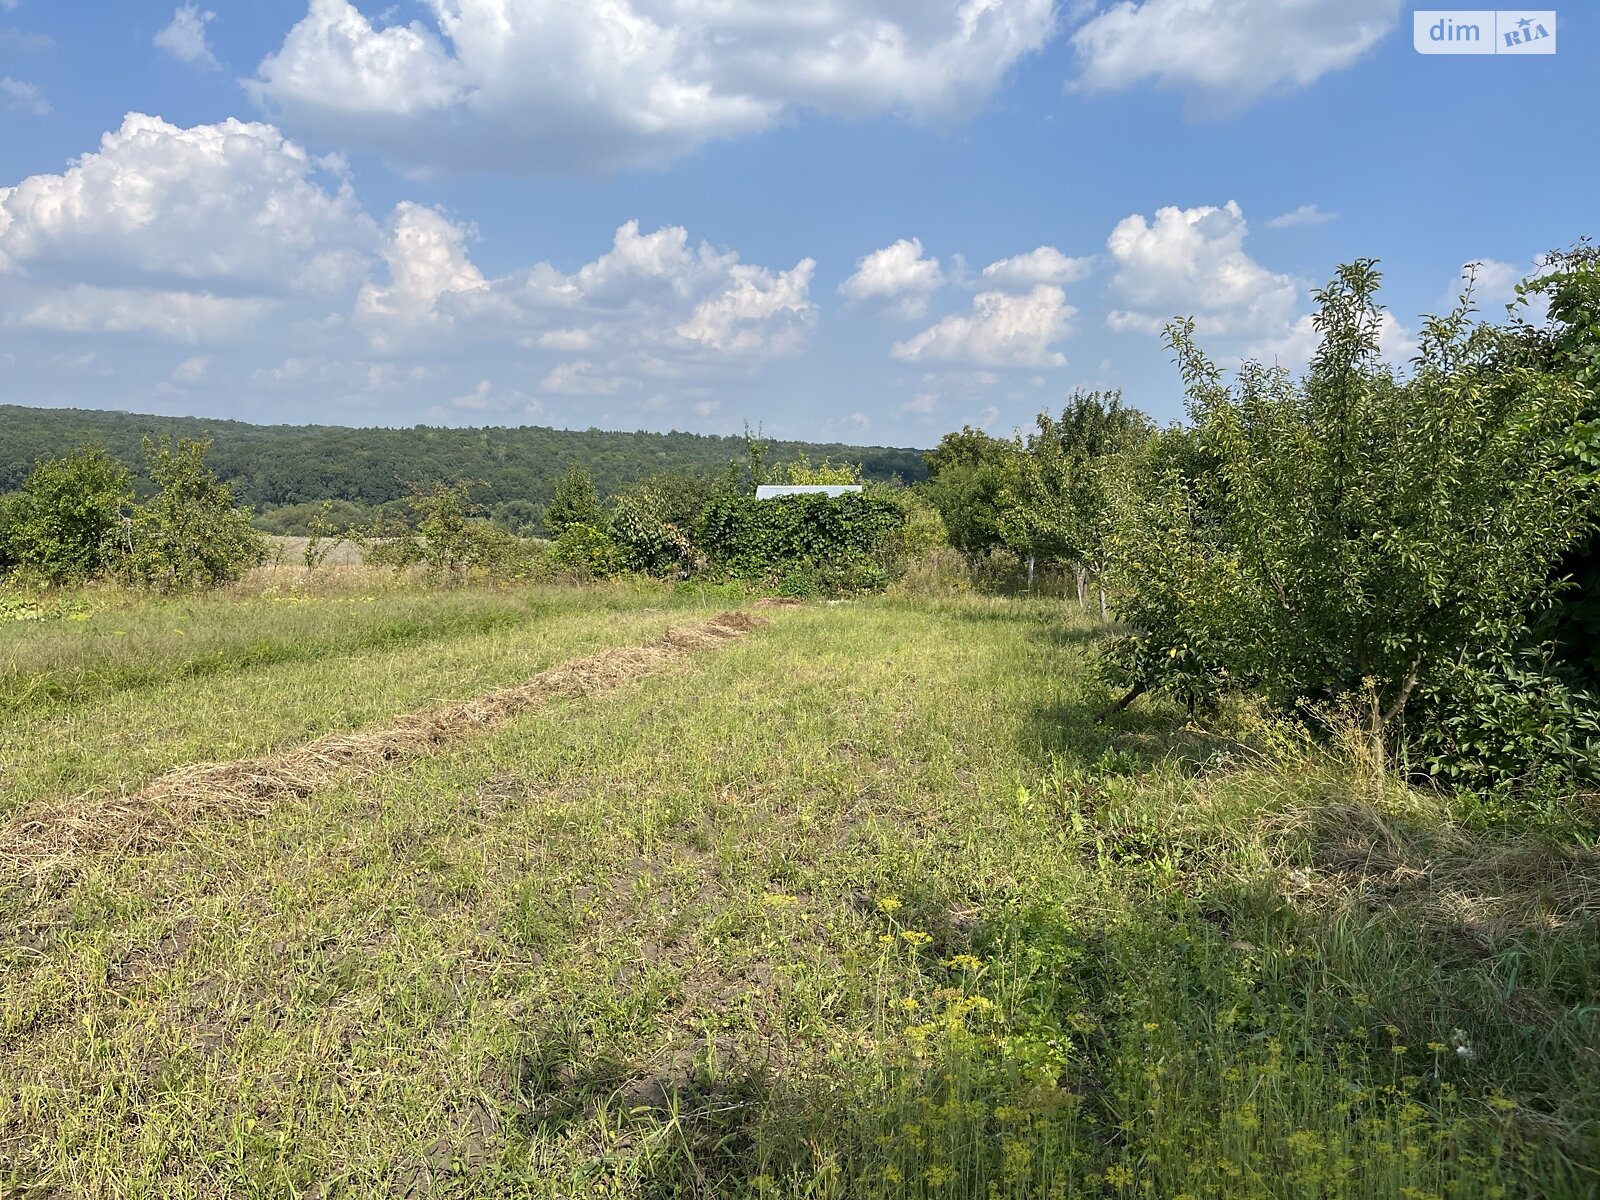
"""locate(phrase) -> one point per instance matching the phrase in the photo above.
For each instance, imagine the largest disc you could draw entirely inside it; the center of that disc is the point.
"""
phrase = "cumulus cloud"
(1225, 54)
(1306, 214)
(24, 97)
(1294, 348)
(231, 238)
(535, 85)
(653, 296)
(898, 277)
(1044, 265)
(427, 259)
(1494, 285)
(185, 37)
(231, 204)
(1003, 330)
(1192, 262)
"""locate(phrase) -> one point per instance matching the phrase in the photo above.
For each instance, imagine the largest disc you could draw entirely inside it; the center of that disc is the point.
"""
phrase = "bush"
(189, 534)
(62, 525)
(1347, 541)
(443, 532)
(645, 536)
(576, 502)
(840, 538)
(584, 552)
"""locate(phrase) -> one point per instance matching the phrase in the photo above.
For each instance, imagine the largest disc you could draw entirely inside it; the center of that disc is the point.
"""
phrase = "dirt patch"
(52, 836)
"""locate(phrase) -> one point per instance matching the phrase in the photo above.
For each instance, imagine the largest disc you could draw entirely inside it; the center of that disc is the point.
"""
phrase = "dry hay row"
(51, 836)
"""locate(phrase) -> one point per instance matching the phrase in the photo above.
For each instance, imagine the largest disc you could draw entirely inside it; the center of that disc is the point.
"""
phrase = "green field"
(863, 903)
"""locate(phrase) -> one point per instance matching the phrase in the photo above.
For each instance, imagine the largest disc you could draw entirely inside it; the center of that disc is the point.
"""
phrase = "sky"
(871, 221)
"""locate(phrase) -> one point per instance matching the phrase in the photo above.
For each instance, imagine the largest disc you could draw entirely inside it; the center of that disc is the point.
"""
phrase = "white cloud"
(532, 85)
(1191, 262)
(566, 339)
(180, 316)
(185, 37)
(923, 403)
(1002, 331)
(1044, 265)
(758, 312)
(582, 378)
(1306, 214)
(427, 257)
(477, 399)
(853, 426)
(231, 238)
(24, 97)
(192, 370)
(230, 204)
(1493, 280)
(1295, 348)
(898, 276)
(1227, 53)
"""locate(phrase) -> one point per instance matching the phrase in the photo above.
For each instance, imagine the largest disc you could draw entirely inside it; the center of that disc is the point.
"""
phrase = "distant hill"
(275, 465)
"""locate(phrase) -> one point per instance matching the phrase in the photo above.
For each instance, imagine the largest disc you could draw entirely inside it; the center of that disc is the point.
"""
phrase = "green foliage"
(966, 479)
(1350, 540)
(576, 502)
(801, 473)
(517, 517)
(838, 538)
(1570, 342)
(446, 534)
(273, 466)
(922, 533)
(643, 531)
(296, 520)
(189, 534)
(322, 540)
(1056, 502)
(586, 552)
(62, 525)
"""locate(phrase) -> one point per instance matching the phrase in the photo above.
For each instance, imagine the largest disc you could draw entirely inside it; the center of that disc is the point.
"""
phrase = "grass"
(131, 690)
(861, 905)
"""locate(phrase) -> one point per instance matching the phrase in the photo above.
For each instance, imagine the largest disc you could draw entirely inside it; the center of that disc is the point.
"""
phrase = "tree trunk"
(1138, 690)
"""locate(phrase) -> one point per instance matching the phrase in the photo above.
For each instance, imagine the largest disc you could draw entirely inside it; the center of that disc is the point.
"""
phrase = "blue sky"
(870, 220)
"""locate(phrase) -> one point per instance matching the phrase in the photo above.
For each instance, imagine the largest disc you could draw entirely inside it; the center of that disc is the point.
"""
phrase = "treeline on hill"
(77, 519)
(1413, 557)
(285, 472)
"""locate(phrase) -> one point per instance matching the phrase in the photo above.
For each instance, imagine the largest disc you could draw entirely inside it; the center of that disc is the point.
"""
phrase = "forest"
(284, 472)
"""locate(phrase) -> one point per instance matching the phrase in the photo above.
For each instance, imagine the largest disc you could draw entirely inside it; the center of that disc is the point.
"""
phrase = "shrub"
(966, 475)
(1347, 541)
(62, 525)
(764, 539)
(646, 537)
(442, 531)
(576, 502)
(584, 552)
(189, 534)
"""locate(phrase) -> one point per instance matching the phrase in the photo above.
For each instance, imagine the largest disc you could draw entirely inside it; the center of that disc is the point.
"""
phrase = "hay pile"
(51, 836)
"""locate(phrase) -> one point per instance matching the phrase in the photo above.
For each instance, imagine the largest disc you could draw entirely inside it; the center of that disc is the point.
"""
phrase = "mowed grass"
(114, 699)
(864, 904)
